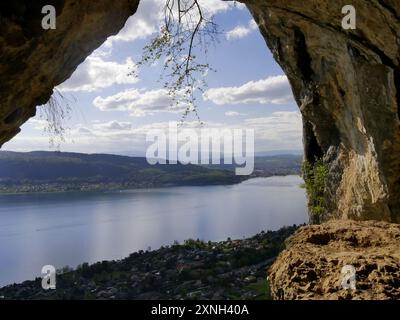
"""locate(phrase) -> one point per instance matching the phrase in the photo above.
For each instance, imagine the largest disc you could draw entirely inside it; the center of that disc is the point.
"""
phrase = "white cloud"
(278, 131)
(241, 31)
(113, 125)
(216, 6)
(95, 73)
(286, 120)
(234, 114)
(37, 124)
(81, 130)
(139, 101)
(275, 90)
(150, 14)
(143, 23)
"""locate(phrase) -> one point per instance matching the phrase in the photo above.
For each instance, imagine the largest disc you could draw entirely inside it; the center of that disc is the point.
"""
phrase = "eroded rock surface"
(347, 85)
(310, 267)
(33, 60)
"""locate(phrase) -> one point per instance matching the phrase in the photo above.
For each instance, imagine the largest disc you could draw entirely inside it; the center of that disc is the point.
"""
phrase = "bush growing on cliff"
(314, 176)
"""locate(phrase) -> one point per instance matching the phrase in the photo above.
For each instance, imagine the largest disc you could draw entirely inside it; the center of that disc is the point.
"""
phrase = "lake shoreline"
(53, 172)
(89, 190)
(230, 269)
(68, 228)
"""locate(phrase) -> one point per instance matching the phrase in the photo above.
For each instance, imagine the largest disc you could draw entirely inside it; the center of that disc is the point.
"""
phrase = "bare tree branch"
(186, 31)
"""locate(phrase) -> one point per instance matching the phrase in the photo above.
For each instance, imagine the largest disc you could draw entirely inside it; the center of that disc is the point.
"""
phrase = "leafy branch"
(186, 32)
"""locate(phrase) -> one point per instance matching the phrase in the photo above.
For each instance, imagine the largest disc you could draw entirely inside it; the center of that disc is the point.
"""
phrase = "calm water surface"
(68, 229)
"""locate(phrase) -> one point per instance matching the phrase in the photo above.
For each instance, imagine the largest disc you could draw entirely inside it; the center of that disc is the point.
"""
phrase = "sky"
(111, 111)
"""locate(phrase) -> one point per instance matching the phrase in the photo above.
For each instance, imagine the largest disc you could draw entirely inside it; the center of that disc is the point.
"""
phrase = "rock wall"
(347, 85)
(33, 60)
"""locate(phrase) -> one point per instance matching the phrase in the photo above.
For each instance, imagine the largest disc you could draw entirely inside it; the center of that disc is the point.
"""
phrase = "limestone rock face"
(310, 267)
(33, 60)
(347, 85)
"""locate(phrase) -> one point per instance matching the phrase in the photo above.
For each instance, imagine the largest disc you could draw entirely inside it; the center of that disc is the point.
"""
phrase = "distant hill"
(283, 164)
(42, 171)
(265, 166)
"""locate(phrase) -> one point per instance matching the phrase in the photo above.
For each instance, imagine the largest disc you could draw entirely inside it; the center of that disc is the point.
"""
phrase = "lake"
(71, 228)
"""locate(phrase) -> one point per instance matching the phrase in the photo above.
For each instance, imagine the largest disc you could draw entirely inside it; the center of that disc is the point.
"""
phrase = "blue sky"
(111, 111)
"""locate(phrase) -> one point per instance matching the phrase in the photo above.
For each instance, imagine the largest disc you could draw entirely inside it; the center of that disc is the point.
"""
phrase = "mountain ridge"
(52, 171)
(42, 171)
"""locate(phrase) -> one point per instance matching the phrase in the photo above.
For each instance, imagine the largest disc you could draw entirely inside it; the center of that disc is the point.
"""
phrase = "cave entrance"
(112, 108)
(115, 103)
(111, 111)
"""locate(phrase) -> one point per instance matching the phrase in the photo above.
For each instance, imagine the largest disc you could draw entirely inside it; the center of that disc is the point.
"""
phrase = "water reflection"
(68, 229)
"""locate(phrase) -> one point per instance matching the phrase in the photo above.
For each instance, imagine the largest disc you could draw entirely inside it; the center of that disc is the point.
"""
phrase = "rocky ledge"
(310, 267)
